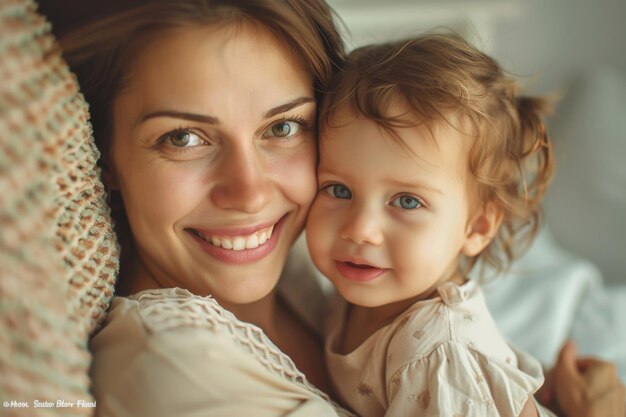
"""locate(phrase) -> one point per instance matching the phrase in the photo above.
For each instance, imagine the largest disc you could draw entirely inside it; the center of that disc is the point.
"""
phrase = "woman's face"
(214, 155)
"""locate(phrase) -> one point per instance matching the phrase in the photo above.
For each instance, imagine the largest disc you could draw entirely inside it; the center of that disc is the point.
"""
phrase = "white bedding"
(550, 296)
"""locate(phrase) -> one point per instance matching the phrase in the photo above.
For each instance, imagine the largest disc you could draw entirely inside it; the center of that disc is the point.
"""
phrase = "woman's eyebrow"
(202, 118)
(288, 106)
(180, 115)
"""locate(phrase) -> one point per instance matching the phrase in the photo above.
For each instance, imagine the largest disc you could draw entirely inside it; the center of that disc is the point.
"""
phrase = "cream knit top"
(167, 352)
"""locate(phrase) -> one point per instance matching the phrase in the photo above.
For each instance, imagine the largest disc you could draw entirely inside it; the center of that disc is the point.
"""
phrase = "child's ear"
(481, 229)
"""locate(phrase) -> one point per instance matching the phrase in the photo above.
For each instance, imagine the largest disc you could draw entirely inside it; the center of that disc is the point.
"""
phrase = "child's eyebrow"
(393, 181)
(413, 184)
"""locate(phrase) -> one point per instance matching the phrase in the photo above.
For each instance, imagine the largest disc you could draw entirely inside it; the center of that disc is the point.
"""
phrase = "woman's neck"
(134, 278)
(262, 313)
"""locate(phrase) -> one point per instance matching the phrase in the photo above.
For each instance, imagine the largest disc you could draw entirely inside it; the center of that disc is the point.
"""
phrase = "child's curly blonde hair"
(442, 78)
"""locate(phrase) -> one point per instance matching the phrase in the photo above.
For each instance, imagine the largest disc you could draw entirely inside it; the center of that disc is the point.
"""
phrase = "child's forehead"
(397, 117)
(431, 144)
(408, 135)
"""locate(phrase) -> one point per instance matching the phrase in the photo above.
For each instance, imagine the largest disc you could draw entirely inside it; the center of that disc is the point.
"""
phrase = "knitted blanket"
(58, 253)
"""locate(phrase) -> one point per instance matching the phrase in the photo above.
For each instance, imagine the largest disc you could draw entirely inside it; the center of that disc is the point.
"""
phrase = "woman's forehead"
(219, 71)
(216, 51)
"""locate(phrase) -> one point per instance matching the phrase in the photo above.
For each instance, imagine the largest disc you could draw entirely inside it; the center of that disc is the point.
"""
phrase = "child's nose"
(362, 226)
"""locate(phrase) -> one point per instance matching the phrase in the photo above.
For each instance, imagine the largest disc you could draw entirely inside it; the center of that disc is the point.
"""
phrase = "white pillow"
(586, 205)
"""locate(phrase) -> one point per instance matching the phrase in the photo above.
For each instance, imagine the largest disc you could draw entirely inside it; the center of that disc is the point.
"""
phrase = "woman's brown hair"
(442, 78)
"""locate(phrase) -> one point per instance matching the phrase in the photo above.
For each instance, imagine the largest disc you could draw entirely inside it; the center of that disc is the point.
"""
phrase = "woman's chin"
(249, 292)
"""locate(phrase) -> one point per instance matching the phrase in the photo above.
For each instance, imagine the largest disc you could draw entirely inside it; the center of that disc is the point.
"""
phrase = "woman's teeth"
(239, 242)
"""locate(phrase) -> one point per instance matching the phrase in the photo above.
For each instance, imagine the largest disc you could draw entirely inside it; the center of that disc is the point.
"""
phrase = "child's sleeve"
(457, 380)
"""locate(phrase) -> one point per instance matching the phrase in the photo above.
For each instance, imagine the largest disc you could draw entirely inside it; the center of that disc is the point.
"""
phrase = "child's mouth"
(360, 273)
(359, 266)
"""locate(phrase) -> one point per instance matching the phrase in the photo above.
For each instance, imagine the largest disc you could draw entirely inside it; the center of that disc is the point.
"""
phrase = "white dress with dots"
(441, 357)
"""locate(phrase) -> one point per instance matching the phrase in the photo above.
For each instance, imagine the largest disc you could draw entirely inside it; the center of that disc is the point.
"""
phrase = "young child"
(430, 161)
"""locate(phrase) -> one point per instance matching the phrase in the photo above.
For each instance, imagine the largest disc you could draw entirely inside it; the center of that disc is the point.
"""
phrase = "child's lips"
(357, 262)
(360, 272)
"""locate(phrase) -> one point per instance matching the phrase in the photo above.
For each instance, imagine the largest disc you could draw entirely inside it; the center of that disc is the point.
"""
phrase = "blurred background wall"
(554, 40)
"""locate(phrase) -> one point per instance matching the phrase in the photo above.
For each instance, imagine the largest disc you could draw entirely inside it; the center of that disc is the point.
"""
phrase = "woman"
(205, 114)
(212, 150)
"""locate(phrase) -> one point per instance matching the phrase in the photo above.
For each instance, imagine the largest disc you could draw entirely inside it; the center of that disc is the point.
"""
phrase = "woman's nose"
(243, 182)
(362, 226)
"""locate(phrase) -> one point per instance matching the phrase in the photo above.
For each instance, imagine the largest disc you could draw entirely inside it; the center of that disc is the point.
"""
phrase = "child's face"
(389, 223)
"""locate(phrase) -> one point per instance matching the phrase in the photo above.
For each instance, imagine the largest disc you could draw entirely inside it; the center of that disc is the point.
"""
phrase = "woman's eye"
(182, 139)
(339, 191)
(407, 202)
(282, 129)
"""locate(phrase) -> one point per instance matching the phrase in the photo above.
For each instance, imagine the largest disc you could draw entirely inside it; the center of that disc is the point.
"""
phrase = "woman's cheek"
(296, 174)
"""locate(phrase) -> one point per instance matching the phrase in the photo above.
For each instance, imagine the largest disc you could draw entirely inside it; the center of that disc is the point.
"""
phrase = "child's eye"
(182, 138)
(282, 129)
(338, 191)
(407, 202)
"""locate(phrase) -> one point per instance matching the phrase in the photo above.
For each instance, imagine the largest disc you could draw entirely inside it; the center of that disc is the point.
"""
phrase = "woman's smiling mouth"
(239, 246)
(237, 243)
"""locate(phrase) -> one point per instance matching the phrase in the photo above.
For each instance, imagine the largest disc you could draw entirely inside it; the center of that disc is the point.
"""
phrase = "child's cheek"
(314, 236)
(322, 227)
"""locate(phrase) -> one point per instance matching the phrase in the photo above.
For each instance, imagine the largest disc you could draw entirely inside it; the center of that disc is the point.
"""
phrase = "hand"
(583, 387)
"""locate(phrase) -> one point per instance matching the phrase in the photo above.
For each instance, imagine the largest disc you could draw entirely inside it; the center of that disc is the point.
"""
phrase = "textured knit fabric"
(58, 255)
(183, 355)
(441, 357)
